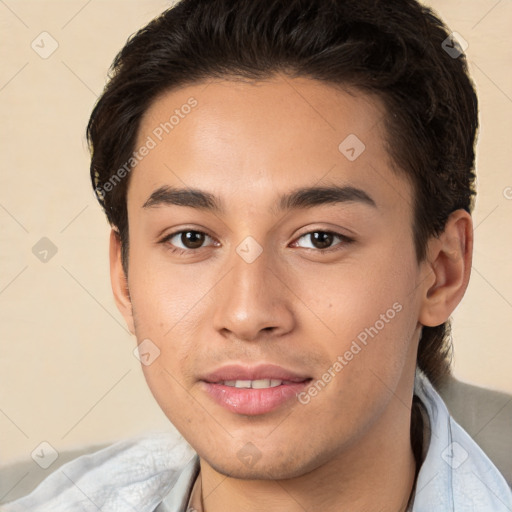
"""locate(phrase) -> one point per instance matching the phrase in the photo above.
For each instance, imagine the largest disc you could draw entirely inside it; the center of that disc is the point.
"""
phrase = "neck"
(375, 473)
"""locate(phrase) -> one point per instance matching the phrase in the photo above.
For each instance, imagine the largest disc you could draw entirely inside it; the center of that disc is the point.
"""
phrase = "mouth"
(253, 391)
(252, 401)
(256, 384)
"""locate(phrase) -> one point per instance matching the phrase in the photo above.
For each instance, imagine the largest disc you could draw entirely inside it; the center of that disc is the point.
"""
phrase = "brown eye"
(182, 241)
(323, 240)
(192, 239)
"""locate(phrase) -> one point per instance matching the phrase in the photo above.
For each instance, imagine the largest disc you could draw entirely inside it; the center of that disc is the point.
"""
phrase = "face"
(267, 227)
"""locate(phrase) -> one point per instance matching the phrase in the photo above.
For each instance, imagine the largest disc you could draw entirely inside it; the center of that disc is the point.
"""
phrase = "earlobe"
(119, 282)
(449, 258)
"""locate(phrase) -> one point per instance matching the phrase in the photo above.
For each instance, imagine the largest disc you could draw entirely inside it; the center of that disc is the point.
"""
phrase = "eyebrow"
(301, 198)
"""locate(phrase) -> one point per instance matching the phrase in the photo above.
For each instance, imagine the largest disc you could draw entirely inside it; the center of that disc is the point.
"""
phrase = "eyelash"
(345, 240)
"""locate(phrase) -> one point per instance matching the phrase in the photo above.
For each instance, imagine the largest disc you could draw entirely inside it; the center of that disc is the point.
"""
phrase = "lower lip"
(253, 401)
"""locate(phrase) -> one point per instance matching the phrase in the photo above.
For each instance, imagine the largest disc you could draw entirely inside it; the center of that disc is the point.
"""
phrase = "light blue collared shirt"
(156, 472)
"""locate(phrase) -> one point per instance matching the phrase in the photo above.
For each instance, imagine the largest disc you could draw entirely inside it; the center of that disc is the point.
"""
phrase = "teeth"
(265, 383)
(242, 384)
(255, 384)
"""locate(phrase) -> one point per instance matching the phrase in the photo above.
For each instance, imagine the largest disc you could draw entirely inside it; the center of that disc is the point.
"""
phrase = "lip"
(250, 401)
(262, 371)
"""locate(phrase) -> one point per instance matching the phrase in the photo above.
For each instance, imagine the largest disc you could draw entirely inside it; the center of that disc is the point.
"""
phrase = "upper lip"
(262, 371)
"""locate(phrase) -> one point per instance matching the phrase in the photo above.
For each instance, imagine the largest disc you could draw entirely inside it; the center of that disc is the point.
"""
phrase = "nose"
(253, 301)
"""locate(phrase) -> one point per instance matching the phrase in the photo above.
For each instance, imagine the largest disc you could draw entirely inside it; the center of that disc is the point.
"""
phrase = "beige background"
(68, 375)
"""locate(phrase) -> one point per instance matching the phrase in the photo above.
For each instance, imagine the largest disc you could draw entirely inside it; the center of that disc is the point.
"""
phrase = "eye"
(323, 240)
(186, 241)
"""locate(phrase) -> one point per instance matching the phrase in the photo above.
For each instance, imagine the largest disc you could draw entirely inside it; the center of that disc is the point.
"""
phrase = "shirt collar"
(455, 475)
(178, 497)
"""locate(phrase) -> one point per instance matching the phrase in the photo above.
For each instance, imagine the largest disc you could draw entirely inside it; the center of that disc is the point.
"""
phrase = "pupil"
(192, 239)
(322, 240)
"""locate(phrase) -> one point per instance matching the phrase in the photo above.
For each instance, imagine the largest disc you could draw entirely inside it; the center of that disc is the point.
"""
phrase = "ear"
(447, 269)
(119, 281)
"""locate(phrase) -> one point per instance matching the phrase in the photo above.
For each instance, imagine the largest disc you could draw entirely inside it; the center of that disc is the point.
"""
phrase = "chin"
(265, 468)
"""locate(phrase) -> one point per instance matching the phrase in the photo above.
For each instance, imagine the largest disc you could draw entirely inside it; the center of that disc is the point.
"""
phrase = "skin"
(296, 306)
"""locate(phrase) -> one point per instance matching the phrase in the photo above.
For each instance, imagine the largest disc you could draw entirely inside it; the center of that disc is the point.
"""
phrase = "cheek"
(171, 393)
(165, 309)
(345, 299)
(365, 319)
(166, 298)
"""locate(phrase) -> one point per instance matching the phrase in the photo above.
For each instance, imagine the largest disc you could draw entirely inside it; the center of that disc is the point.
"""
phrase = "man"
(289, 185)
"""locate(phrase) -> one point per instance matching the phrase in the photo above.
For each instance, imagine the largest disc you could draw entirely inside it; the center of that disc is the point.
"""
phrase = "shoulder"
(455, 473)
(129, 475)
(486, 415)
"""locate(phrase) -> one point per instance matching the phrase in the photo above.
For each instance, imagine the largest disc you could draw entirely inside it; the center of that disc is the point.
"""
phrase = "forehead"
(245, 139)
